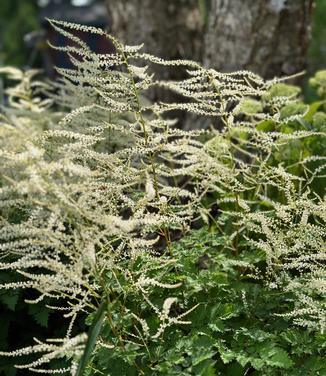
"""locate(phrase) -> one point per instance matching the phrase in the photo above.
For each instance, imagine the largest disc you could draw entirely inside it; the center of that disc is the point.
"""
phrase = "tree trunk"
(170, 29)
(268, 37)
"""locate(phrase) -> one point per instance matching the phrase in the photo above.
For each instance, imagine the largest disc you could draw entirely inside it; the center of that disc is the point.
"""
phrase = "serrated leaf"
(10, 299)
(205, 368)
(225, 354)
(280, 359)
(250, 106)
(203, 356)
(243, 359)
(295, 108)
(283, 90)
(265, 125)
(275, 356)
(40, 314)
(217, 326)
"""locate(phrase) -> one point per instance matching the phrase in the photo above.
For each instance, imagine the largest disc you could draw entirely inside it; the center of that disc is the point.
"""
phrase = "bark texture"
(268, 37)
(170, 29)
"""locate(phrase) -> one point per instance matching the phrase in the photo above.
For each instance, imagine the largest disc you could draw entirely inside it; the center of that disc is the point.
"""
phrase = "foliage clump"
(101, 193)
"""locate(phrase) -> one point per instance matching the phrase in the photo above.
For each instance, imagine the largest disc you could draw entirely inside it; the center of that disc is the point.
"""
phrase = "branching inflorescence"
(95, 177)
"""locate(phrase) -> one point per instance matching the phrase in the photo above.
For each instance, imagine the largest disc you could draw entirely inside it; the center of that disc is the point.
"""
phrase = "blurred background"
(24, 31)
(269, 37)
(201, 30)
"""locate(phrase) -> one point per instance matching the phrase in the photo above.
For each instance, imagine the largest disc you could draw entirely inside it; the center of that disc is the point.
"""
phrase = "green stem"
(93, 333)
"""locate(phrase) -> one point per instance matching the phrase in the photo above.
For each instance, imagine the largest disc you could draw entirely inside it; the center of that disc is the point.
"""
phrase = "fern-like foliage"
(96, 181)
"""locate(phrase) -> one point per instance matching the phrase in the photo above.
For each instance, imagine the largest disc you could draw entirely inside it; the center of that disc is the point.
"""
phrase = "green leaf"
(217, 326)
(250, 106)
(275, 356)
(319, 121)
(205, 368)
(313, 108)
(283, 90)
(281, 359)
(244, 359)
(319, 82)
(295, 108)
(226, 354)
(235, 369)
(265, 125)
(197, 359)
(10, 299)
(40, 314)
